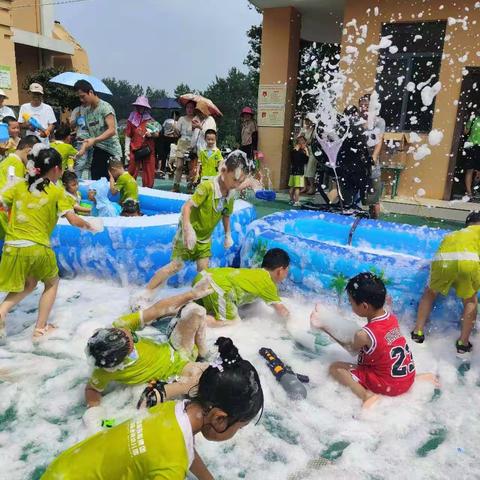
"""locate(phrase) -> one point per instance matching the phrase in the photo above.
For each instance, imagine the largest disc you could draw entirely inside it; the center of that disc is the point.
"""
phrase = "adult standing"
(140, 146)
(78, 123)
(249, 133)
(42, 115)
(184, 132)
(169, 136)
(472, 150)
(102, 130)
(311, 167)
(4, 110)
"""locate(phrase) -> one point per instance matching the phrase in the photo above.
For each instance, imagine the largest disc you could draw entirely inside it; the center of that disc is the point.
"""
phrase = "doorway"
(469, 100)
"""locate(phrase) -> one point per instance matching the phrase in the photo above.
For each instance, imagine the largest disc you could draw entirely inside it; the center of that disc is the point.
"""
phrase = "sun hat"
(202, 107)
(3, 94)
(142, 101)
(247, 110)
(35, 88)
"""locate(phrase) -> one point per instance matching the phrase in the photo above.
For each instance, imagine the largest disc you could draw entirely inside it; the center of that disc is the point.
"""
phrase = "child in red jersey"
(385, 364)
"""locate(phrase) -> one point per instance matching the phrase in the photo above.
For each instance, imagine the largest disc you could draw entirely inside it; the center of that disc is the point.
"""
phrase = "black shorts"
(472, 157)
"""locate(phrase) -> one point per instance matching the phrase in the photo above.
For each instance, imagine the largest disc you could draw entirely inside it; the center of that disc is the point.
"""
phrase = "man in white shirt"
(4, 110)
(40, 113)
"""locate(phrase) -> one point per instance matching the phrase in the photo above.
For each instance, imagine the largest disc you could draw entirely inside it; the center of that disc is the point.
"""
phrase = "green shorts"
(462, 275)
(20, 263)
(296, 181)
(201, 250)
(219, 304)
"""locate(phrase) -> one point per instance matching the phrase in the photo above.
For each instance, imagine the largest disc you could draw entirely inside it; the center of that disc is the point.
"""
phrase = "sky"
(161, 43)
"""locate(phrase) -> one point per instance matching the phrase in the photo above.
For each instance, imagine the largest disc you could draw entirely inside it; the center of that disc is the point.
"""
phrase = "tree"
(123, 95)
(58, 96)
(182, 89)
(154, 94)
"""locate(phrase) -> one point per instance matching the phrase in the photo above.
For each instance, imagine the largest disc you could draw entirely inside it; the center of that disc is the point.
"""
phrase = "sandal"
(41, 332)
(417, 337)
(461, 348)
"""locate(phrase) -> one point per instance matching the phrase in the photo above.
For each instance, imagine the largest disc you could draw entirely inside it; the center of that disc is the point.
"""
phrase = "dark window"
(417, 59)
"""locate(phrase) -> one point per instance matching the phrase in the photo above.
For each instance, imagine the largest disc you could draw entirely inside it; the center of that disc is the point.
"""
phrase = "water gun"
(153, 127)
(293, 383)
(33, 122)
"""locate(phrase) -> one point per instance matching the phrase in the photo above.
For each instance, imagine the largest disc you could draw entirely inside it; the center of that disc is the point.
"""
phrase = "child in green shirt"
(27, 258)
(234, 287)
(122, 182)
(160, 444)
(212, 201)
(63, 145)
(70, 183)
(209, 158)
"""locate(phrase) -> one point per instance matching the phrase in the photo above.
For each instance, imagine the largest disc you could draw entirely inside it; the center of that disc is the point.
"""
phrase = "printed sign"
(272, 95)
(5, 77)
(271, 116)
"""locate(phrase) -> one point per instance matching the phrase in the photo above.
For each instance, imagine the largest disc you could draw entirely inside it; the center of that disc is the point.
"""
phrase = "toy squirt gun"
(293, 383)
(33, 122)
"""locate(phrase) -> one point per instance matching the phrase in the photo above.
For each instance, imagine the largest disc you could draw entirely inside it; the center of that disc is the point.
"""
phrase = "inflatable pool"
(130, 249)
(327, 249)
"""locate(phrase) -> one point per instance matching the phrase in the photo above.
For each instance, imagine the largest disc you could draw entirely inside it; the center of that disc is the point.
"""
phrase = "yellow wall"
(279, 65)
(432, 170)
(79, 60)
(7, 50)
(27, 18)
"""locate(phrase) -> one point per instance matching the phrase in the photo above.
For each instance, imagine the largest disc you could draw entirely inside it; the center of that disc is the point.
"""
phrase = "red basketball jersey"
(388, 361)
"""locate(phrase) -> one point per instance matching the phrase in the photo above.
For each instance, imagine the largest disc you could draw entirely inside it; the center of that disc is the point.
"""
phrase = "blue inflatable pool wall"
(327, 249)
(130, 250)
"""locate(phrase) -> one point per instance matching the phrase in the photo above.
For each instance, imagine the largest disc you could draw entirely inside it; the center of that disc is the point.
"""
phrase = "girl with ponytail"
(159, 444)
(27, 258)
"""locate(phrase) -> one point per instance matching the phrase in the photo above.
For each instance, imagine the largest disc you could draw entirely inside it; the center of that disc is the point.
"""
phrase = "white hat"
(35, 88)
(312, 117)
(3, 94)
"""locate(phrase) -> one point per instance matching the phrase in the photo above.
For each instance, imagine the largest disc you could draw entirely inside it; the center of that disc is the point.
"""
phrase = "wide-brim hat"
(202, 107)
(142, 101)
(3, 94)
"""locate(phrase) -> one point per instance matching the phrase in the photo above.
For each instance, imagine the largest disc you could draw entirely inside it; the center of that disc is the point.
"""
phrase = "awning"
(22, 37)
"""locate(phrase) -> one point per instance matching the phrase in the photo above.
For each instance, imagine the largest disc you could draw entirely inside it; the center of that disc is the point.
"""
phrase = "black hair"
(367, 287)
(83, 86)
(472, 217)
(366, 97)
(68, 177)
(275, 258)
(115, 163)
(43, 162)
(9, 119)
(236, 159)
(62, 131)
(108, 347)
(210, 131)
(28, 141)
(130, 208)
(233, 386)
(351, 110)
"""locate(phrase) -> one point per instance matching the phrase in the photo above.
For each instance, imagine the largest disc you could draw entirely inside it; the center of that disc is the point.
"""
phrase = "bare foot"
(39, 333)
(428, 377)
(371, 400)
(202, 288)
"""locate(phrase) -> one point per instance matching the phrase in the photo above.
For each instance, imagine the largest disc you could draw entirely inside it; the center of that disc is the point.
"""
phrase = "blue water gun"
(33, 122)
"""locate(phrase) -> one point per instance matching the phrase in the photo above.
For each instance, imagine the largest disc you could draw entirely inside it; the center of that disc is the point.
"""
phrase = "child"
(385, 365)
(122, 182)
(209, 157)
(70, 183)
(14, 133)
(213, 200)
(233, 287)
(160, 445)
(131, 208)
(27, 258)
(299, 158)
(63, 145)
(456, 264)
(121, 356)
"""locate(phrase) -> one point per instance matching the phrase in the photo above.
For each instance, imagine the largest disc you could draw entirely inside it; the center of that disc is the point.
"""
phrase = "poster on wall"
(275, 94)
(5, 77)
(271, 116)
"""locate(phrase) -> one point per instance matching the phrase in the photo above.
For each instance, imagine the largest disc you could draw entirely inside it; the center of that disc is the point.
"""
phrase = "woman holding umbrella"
(140, 143)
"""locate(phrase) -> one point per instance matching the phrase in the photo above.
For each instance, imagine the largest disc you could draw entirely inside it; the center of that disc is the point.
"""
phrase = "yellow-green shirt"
(18, 170)
(127, 186)
(210, 160)
(66, 151)
(463, 244)
(149, 360)
(245, 285)
(158, 446)
(34, 214)
(473, 127)
(209, 207)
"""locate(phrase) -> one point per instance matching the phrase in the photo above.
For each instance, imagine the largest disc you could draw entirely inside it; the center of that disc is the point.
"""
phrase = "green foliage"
(338, 283)
(58, 96)
(381, 275)
(259, 250)
(254, 34)
(230, 95)
(182, 89)
(124, 94)
(155, 94)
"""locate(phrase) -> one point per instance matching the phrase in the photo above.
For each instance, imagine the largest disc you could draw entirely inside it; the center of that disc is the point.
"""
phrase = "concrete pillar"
(7, 50)
(279, 66)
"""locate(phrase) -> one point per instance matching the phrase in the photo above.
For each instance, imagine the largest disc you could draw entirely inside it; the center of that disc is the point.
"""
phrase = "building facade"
(31, 39)
(391, 47)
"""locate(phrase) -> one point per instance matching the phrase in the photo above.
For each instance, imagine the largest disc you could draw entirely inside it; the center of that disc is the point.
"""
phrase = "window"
(417, 59)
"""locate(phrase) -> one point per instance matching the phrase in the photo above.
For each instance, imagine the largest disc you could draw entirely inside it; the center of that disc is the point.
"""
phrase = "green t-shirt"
(466, 240)
(209, 207)
(245, 285)
(96, 125)
(149, 361)
(34, 214)
(18, 169)
(210, 162)
(473, 126)
(66, 151)
(128, 187)
(158, 446)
